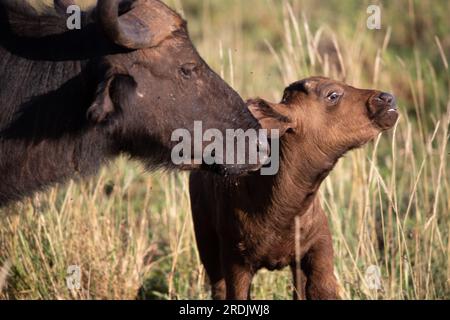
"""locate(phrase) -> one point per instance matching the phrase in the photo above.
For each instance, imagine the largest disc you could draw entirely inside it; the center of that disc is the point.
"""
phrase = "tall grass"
(388, 204)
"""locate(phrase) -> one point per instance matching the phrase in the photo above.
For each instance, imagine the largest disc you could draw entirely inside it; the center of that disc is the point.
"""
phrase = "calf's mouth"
(383, 111)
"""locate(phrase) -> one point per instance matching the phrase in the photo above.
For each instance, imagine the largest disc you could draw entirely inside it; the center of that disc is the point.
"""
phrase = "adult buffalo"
(70, 100)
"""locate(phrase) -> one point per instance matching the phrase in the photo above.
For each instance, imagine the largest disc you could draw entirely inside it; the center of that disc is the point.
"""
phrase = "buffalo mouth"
(387, 118)
(383, 111)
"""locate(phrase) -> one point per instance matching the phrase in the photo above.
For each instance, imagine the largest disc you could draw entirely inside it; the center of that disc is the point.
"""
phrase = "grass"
(388, 204)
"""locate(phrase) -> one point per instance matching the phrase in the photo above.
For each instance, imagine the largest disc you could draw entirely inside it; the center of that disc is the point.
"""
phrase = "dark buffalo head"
(159, 84)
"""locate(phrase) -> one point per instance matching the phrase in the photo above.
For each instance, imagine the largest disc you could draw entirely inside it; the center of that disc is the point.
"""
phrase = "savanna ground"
(388, 204)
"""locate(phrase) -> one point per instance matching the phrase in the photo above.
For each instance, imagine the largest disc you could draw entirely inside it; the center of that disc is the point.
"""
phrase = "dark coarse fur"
(243, 224)
(72, 100)
(46, 87)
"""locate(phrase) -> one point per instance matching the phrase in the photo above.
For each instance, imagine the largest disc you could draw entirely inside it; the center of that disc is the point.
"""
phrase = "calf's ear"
(113, 94)
(271, 115)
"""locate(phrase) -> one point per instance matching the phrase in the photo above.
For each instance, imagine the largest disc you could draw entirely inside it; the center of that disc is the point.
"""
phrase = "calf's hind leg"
(317, 264)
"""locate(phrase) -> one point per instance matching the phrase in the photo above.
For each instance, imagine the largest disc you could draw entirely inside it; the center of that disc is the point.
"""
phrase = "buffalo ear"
(271, 115)
(112, 95)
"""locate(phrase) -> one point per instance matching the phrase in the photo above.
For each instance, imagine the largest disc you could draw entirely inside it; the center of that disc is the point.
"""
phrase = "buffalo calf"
(243, 224)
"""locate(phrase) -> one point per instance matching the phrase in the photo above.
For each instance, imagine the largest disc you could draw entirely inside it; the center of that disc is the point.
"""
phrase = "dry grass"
(3, 275)
(388, 204)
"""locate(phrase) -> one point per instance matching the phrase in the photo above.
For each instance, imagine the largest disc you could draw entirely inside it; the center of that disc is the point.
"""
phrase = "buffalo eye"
(333, 97)
(187, 70)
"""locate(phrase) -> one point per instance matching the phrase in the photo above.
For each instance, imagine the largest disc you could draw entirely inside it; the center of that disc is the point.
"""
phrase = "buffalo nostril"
(387, 98)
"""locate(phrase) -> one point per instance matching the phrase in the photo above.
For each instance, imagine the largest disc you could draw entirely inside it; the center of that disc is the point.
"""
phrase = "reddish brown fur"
(248, 223)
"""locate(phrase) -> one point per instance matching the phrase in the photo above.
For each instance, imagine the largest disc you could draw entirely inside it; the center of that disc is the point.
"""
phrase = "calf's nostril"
(387, 97)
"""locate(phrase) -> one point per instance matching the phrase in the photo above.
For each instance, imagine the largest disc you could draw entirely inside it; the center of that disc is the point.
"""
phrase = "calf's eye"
(333, 96)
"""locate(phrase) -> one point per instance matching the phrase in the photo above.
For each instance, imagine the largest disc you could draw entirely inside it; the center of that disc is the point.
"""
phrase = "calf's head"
(327, 118)
(159, 83)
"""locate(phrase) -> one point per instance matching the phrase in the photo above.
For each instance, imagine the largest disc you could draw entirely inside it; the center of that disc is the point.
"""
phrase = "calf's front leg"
(238, 279)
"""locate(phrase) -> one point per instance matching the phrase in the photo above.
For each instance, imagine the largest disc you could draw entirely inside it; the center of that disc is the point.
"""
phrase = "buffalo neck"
(45, 137)
(33, 165)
